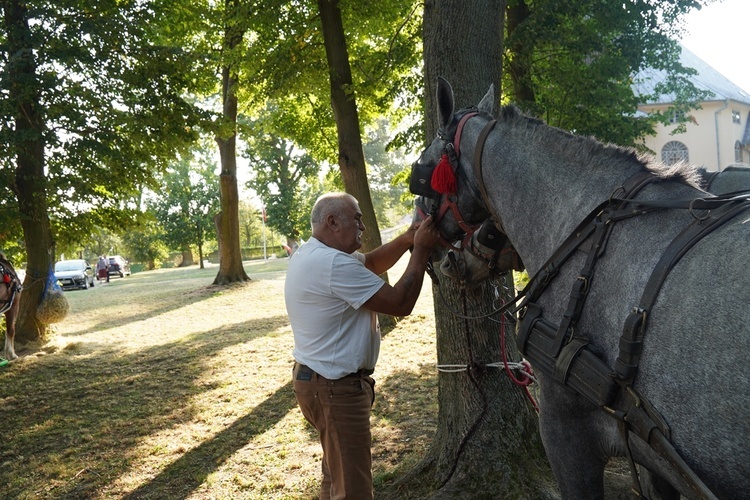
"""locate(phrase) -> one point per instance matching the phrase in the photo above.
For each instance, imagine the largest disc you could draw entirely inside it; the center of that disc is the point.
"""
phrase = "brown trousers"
(340, 411)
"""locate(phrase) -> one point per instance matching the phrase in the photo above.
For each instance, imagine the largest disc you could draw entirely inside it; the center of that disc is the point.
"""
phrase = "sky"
(718, 34)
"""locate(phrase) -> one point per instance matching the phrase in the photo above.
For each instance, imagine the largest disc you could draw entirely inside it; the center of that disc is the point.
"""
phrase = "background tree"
(251, 226)
(377, 42)
(281, 174)
(145, 242)
(103, 242)
(91, 107)
(573, 63)
(187, 204)
(351, 158)
(384, 163)
(234, 28)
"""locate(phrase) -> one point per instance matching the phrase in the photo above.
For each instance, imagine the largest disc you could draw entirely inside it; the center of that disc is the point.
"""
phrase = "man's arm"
(385, 256)
(399, 299)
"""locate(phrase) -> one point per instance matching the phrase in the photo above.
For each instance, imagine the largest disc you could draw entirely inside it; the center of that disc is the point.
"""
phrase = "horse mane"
(592, 151)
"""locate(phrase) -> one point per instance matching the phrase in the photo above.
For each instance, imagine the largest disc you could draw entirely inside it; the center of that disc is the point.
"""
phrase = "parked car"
(74, 273)
(118, 266)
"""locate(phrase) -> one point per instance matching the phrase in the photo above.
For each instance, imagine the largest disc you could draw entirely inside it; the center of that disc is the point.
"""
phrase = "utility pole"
(263, 218)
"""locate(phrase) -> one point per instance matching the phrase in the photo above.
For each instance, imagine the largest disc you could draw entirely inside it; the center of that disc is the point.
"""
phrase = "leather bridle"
(10, 280)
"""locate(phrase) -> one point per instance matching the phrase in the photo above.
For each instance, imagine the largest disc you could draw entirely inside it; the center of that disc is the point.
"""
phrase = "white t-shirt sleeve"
(352, 282)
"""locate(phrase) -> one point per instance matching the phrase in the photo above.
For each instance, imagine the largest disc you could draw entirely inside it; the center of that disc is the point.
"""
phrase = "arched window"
(738, 152)
(674, 151)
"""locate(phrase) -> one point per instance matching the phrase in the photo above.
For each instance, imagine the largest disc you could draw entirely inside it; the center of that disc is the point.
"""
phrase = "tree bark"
(187, 257)
(30, 182)
(230, 255)
(487, 437)
(200, 245)
(351, 156)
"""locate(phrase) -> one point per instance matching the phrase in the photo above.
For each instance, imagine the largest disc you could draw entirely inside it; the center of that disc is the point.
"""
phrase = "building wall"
(707, 148)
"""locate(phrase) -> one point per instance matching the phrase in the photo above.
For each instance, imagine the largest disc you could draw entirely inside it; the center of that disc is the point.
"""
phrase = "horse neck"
(541, 191)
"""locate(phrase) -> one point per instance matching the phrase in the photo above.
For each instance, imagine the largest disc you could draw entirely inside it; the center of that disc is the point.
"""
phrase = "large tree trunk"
(487, 442)
(187, 257)
(351, 154)
(228, 230)
(487, 437)
(30, 182)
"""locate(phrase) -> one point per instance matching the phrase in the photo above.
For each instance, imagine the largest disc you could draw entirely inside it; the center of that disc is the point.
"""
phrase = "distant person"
(332, 294)
(102, 268)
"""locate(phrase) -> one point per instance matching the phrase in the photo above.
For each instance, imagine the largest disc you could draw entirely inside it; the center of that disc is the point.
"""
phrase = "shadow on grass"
(164, 291)
(85, 420)
(132, 293)
(407, 401)
(188, 472)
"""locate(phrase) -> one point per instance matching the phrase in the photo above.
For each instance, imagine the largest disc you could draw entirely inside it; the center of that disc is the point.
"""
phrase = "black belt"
(362, 372)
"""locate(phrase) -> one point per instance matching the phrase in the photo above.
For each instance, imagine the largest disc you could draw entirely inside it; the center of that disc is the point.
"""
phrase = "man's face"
(351, 227)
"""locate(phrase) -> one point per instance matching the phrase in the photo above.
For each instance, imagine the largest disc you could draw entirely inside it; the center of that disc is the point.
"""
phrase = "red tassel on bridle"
(443, 178)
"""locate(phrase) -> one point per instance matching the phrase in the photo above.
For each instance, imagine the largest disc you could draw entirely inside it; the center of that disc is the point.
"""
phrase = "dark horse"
(636, 317)
(732, 178)
(10, 299)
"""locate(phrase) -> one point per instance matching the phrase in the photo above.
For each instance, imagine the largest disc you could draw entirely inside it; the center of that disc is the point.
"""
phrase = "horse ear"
(487, 104)
(445, 102)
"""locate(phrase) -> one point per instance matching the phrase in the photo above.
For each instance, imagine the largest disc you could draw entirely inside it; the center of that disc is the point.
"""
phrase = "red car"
(118, 266)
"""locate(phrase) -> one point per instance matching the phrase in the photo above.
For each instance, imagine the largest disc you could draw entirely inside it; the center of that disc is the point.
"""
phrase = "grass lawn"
(160, 385)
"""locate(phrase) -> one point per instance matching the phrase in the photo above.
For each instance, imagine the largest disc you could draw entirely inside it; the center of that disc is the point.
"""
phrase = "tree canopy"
(573, 63)
(98, 98)
(282, 176)
(113, 101)
(92, 107)
(188, 202)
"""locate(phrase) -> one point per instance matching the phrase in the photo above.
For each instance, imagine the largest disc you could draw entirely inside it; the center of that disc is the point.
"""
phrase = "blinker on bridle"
(440, 182)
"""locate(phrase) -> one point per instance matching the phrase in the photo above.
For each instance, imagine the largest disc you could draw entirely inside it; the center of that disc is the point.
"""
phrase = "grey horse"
(691, 374)
(469, 268)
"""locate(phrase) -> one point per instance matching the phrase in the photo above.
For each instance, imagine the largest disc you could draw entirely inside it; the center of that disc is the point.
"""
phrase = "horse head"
(474, 247)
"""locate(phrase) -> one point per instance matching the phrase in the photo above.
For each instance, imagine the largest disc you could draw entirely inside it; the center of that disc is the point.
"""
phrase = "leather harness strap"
(631, 342)
(477, 163)
(558, 352)
(581, 233)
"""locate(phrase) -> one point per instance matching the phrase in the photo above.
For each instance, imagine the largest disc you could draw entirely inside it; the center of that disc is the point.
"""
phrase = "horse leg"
(572, 432)
(10, 329)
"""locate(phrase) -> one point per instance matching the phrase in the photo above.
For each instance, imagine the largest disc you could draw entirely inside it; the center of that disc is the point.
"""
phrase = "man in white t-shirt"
(333, 294)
